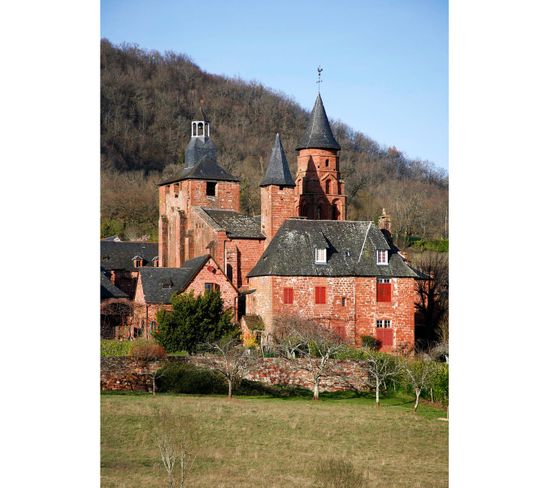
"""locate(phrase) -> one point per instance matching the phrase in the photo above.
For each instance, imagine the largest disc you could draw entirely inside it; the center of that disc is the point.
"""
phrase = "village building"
(156, 287)
(299, 257)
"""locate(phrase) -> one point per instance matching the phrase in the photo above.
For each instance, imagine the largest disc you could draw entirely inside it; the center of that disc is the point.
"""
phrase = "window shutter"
(320, 295)
(383, 292)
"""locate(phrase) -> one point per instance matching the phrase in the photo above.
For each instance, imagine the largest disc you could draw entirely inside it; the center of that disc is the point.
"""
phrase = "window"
(381, 256)
(176, 189)
(288, 296)
(327, 186)
(210, 188)
(320, 295)
(194, 129)
(210, 287)
(318, 213)
(383, 324)
(383, 290)
(201, 130)
(343, 301)
(326, 163)
(320, 256)
(156, 261)
(138, 261)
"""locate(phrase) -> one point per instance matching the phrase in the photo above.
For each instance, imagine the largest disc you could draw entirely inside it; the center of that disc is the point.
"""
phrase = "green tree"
(193, 320)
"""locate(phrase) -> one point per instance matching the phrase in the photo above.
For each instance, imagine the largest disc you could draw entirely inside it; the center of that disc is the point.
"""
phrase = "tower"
(201, 182)
(319, 186)
(277, 192)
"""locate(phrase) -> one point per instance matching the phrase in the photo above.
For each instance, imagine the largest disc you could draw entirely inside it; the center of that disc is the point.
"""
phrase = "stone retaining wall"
(124, 373)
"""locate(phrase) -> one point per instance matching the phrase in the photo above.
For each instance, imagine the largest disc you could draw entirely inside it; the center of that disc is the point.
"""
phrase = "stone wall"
(123, 373)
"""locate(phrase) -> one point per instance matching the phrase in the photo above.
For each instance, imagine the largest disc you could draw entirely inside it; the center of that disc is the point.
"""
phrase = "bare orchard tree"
(315, 343)
(231, 359)
(432, 294)
(381, 367)
(419, 372)
(173, 437)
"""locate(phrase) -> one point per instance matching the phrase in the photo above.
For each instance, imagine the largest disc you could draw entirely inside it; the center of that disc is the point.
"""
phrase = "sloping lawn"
(269, 442)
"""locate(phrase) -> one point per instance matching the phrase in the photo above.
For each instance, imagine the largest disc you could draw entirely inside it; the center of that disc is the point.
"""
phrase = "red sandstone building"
(300, 256)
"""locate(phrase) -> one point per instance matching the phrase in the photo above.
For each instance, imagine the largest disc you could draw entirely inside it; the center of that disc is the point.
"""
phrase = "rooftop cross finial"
(319, 80)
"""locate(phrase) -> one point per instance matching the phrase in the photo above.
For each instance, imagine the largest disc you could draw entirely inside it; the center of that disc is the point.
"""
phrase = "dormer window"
(381, 256)
(156, 261)
(167, 284)
(320, 256)
(138, 261)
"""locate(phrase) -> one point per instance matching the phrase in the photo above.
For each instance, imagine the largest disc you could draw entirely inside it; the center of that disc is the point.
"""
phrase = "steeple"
(278, 172)
(318, 134)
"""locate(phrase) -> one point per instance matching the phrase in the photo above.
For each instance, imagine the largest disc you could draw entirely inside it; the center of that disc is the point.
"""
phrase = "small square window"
(210, 188)
(383, 324)
(320, 256)
(381, 256)
(211, 287)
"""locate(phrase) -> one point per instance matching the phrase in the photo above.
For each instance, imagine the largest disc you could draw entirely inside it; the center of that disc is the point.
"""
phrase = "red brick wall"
(278, 204)
(311, 183)
(354, 319)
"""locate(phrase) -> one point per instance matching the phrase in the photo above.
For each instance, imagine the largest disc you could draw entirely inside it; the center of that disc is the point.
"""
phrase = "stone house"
(156, 286)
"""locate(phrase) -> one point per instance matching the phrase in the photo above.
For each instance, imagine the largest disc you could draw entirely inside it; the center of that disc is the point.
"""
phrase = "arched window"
(201, 129)
(327, 186)
(194, 129)
(335, 212)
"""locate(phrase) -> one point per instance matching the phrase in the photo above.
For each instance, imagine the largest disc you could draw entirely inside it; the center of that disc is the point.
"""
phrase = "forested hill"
(148, 100)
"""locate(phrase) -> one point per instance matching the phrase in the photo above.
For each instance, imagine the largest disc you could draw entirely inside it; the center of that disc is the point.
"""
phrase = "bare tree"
(232, 360)
(381, 367)
(419, 372)
(432, 293)
(315, 343)
(173, 437)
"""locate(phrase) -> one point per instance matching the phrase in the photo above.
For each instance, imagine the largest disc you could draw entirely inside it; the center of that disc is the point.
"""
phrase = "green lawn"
(268, 442)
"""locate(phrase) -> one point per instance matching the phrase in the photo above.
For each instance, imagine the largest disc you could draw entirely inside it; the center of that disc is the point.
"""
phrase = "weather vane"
(319, 80)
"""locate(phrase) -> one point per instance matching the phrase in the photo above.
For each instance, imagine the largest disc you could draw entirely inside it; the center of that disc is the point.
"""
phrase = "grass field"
(269, 442)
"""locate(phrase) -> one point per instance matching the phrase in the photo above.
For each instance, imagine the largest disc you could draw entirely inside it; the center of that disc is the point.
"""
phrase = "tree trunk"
(418, 391)
(377, 394)
(229, 389)
(316, 390)
(154, 385)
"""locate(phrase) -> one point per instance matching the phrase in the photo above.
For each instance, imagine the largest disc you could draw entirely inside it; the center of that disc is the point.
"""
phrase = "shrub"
(112, 347)
(193, 320)
(436, 245)
(351, 353)
(188, 378)
(147, 350)
(370, 342)
(338, 473)
(256, 388)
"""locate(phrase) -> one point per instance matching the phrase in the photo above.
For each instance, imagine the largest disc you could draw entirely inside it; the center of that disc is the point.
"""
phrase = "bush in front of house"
(147, 351)
(188, 378)
(193, 320)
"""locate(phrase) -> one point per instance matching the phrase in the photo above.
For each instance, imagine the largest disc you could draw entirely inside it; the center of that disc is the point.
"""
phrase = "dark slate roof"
(119, 255)
(278, 172)
(350, 247)
(199, 148)
(159, 284)
(237, 226)
(206, 169)
(318, 134)
(108, 290)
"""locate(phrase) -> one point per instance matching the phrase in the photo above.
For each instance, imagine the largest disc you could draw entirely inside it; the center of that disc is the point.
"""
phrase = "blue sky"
(385, 62)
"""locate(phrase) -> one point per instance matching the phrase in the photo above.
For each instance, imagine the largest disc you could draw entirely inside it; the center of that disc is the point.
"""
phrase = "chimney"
(384, 221)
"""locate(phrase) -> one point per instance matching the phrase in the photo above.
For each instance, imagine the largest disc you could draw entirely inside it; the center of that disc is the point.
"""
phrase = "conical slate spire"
(278, 172)
(318, 134)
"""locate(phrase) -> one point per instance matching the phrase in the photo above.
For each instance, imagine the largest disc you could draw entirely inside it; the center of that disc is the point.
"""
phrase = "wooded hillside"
(148, 100)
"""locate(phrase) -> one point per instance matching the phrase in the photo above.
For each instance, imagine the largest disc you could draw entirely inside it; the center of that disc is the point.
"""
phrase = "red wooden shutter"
(383, 292)
(288, 296)
(320, 295)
